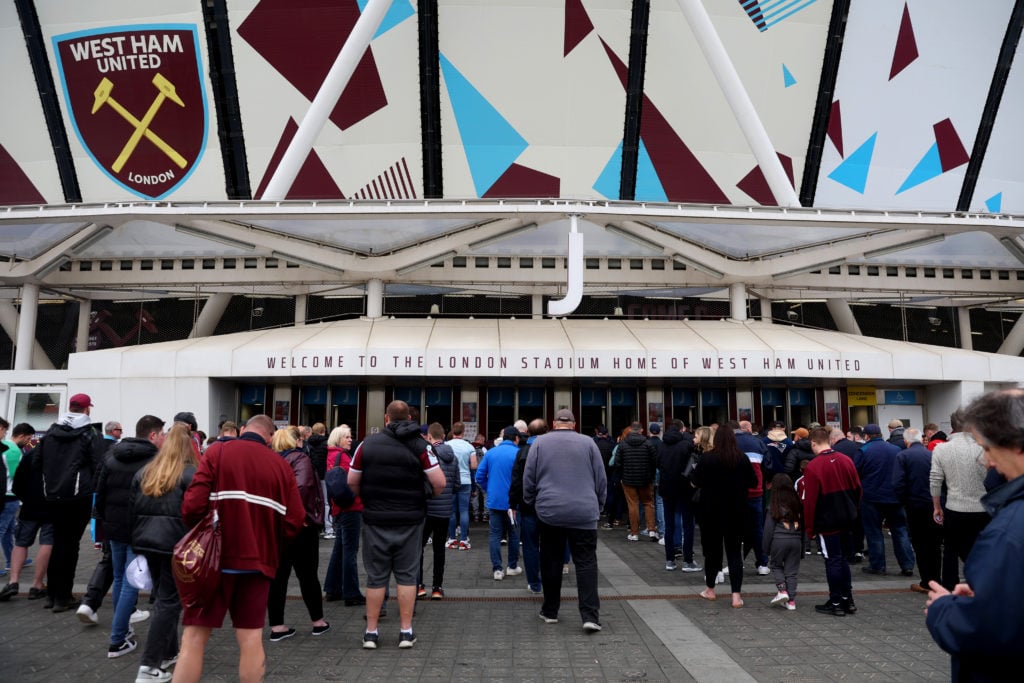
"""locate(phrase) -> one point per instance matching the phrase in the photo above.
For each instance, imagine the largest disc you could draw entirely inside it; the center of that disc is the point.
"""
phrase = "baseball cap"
(801, 433)
(654, 428)
(872, 429)
(564, 415)
(188, 418)
(80, 401)
(509, 434)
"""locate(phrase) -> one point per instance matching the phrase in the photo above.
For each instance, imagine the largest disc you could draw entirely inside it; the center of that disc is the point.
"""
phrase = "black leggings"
(712, 539)
(436, 528)
(304, 554)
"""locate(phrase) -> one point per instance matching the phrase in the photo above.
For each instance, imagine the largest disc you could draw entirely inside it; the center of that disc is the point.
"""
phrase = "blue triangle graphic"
(648, 184)
(929, 167)
(610, 181)
(400, 11)
(994, 204)
(787, 77)
(853, 171)
(490, 142)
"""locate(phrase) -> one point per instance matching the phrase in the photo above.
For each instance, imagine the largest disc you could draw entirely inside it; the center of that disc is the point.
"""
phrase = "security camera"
(934, 321)
(792, 315)
(257, 312)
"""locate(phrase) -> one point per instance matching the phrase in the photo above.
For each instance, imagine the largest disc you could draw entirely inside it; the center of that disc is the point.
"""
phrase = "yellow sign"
(861, 396)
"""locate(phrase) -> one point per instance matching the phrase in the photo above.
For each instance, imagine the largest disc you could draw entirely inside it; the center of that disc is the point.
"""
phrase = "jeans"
(123, 593)
(873, 514)
(754, 536)
(499, 524)
(343, 569)
(583, 547)
(162, 639)
(434, 528)
(659, 512)
(676, 512)
(530, 533)
(836, 548)
(460, 513)
(8, 517)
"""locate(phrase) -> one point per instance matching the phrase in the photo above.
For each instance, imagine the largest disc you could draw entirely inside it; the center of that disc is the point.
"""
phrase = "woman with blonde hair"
(303, 553)
(342, 579)
(156, 495)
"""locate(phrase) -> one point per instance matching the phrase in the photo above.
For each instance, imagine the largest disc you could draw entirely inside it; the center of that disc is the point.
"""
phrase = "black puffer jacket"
(441, 504)
(156, 522)
(113, 489)
(316, 445)
(636, 459)
(675, 455)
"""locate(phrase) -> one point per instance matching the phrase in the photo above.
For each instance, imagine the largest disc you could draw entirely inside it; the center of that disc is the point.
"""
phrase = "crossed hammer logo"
(165, 91)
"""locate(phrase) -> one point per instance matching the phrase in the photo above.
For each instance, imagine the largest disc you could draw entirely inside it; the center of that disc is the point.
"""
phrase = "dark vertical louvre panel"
(430, 99)
(823, 106)
(634, 98)
(36, 47)
(225, 98)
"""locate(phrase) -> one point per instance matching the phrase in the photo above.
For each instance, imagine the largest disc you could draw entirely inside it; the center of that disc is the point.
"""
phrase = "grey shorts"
(392, 549)
(26, 530)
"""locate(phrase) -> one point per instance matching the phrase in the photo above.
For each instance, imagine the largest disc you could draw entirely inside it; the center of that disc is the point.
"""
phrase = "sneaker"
(437, 593)
(791, 605)
(725, 571)
(464, 545)
(692, 567)
(498, 575)
(327, 535)
(857, 558)
(719, 578)
(607, 525)
(430, 540)
(504, 541)
(36, 593)
(138, 615)
(151, 673)
(513, 571)
(780, 597)
(661, 541)
(653, 535)
(591, 626)
(121, 649)
(546, 619)
(421, 592)
(535, 591)
(370, 641)
(5, 572)
(849, 606)
(87, 616)
(277, 636)
(26, 563)
(451, 544)
(763, 570)
(670, 566)
(632, 537)
(406, 639)
(565, 569)
(320, 630)
(8, 592)
(833, 608)
(168, 663)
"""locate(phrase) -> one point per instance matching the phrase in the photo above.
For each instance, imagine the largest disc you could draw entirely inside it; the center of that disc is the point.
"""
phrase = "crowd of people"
(543, 491)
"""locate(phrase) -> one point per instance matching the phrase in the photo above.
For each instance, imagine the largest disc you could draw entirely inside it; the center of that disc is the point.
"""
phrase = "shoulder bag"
(195, 561)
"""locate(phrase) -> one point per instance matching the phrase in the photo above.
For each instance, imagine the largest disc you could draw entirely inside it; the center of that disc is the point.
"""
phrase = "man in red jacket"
(259, 508)
(831, 500)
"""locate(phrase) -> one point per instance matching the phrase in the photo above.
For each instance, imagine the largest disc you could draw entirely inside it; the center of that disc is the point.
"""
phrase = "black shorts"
(26, 529)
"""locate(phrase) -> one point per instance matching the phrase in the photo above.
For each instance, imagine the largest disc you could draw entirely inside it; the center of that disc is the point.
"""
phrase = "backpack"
(338, 489)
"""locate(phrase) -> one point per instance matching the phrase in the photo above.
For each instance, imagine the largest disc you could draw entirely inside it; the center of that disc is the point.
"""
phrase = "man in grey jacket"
(565, 481)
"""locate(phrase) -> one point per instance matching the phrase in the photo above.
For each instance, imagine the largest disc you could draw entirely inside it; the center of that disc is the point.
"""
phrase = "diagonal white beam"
(326, 98)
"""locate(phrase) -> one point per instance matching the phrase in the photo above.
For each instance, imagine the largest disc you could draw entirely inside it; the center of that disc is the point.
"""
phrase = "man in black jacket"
(113, 511)
(316, 447)
(638, 461)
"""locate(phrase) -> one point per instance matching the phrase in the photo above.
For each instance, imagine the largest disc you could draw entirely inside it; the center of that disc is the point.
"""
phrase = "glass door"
(38, 406)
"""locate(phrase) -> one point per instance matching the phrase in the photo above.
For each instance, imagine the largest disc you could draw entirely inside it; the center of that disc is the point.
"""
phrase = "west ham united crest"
(136, 100)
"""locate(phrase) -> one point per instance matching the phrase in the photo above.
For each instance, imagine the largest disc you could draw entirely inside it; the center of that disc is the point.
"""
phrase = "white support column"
(1014, 342)
(326, 98)
(300, 309)
(26, 327)
(963, 319)
(537, 306)
(9, 322)
(739, 101)
(766, 310)
(840, 311)
(738, 301)
(574, 273)
(211, 314)
(374, 298)
(84, 318)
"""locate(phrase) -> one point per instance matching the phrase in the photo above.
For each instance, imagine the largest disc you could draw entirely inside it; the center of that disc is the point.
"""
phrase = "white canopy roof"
(546, 348)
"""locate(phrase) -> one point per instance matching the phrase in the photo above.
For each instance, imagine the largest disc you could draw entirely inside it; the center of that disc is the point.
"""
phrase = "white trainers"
(87, 616)
(138, 615)
(791, 605)
(763, 570)
(498, 575)
(513, 571)
(148, 674)
(661, 541)
(451, 544)
(653, 535)
(591, 626)
(780, 597)
(725, 571)
(719, 578)
(632, 537)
